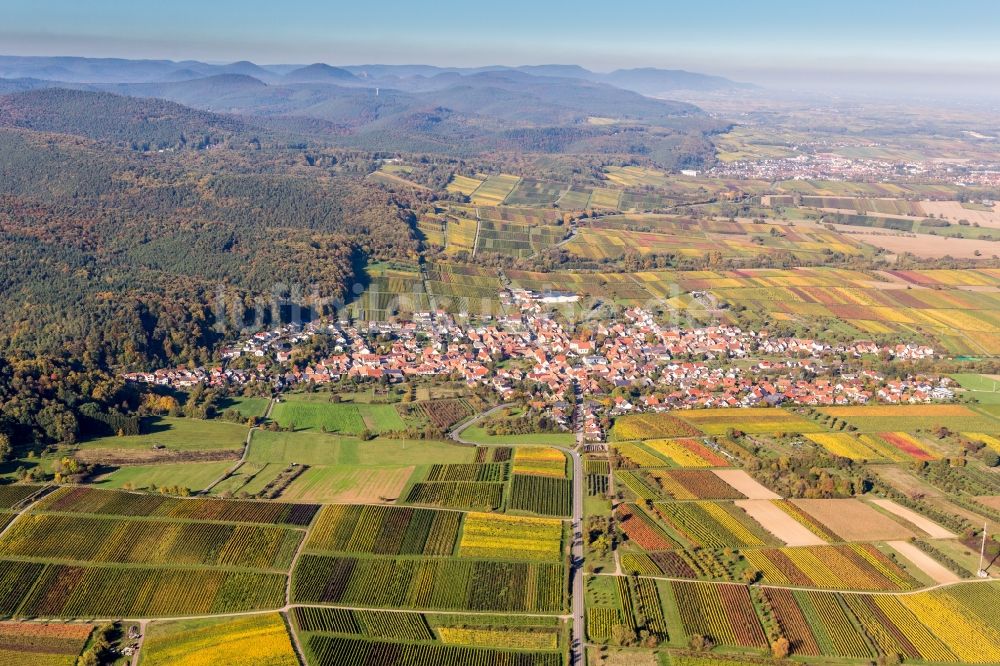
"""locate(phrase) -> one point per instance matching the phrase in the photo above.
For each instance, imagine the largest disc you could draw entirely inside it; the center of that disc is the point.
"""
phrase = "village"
(629, 364)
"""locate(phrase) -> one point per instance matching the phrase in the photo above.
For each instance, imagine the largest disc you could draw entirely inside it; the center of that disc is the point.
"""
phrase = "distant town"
(831, 166)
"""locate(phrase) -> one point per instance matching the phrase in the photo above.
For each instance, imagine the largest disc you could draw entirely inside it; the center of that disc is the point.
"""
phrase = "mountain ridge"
(72, 69)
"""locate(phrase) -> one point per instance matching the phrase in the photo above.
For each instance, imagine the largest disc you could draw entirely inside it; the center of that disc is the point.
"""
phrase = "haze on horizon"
(894, 46)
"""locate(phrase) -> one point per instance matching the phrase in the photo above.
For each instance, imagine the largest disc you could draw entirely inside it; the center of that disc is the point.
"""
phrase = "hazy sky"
(743, 39)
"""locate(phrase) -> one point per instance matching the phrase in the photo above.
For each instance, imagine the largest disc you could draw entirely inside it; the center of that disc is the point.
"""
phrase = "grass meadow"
(305, 411)
(193, 476)
(985, 389)
(178, 434)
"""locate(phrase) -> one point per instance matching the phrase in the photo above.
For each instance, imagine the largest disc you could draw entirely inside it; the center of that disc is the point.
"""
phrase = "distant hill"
(517, 96)
(215, 85)
(650, 81)
(89, 70)
(222, 93)
(138, 123)
(376, 71)
(183, 75)
(473, 105)
(417, 108)
(246, 68)
(647, 81)
(117, 70)
(20, 85)
(500, 95)
(563, 71)
(319, 73)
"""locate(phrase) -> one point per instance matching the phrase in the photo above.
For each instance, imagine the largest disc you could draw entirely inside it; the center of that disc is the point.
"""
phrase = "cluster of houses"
(615, 360)
(819, 166)
(277, 343)
(827, 164)
(845, 389)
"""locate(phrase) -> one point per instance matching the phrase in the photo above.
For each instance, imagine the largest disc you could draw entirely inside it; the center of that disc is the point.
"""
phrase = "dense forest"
(95, 236)
(141, 124)
(53, 400)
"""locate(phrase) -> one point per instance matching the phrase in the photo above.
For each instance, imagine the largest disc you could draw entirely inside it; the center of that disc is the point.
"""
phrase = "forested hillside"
(141, 124)
(117, 255)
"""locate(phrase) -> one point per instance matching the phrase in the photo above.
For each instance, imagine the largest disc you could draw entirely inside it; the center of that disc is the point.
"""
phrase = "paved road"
(578, 636)
(578, 640)
(27, 503)
(456, 434)
(292, 630)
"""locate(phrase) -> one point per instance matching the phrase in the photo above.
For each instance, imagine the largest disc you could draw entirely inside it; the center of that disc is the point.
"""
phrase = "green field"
(343, 468)
(438, 638)
(381, 418)
(460, 234)
(299, 413)
(177, 434)
(86, 553)
(314, 448)
(265, 475)
(984, 389)
(445, 584)
(97, 591)
(250, 478)
(495, 189)
(530, 192)
(479, 435)
(313, 411)
(193, 476)
(150, 541)
(348, 483)
(604, 197)
(304, 447)
(246, 406)
(575, 199)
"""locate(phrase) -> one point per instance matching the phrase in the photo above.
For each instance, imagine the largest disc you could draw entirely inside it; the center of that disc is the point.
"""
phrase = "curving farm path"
(243, 457)
(456, 432)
